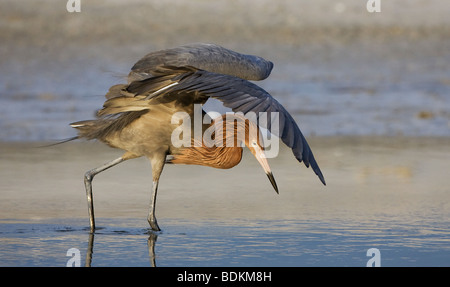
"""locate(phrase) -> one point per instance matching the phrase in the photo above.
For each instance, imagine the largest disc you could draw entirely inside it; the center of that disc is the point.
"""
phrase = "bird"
(138, 116)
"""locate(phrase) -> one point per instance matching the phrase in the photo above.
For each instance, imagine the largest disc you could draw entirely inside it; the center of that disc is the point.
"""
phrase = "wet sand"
(366, 177)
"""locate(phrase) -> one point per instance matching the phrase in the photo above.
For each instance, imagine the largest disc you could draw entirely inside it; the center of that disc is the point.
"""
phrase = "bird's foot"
(153, 224)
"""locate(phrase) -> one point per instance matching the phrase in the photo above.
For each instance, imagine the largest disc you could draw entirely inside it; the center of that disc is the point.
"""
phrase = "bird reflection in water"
(151, 241)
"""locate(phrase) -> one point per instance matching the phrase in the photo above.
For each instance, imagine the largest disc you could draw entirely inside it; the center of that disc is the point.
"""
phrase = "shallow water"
(237, 243)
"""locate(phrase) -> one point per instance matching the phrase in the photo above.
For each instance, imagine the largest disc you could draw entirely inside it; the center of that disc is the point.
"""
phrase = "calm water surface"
(237, 243)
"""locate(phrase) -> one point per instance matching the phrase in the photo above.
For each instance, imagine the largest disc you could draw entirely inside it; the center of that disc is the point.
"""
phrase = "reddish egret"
(136, 117)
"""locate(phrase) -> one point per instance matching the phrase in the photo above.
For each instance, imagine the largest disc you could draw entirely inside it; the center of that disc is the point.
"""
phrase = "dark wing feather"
(243, 96)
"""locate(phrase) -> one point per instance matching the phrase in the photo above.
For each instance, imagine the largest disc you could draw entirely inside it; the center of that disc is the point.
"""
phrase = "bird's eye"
(254, 143)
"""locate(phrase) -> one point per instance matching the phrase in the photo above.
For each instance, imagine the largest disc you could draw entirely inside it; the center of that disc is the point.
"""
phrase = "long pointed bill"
(259, 154)
(272, 181)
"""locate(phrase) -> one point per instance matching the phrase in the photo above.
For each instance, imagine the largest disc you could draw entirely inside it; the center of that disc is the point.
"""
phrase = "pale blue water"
(234, 243)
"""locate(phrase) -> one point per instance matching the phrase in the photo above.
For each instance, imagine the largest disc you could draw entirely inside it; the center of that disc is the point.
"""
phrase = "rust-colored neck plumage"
(225, 150)
(218, 157)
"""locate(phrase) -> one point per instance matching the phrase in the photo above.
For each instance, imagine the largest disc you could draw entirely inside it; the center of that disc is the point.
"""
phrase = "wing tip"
(320, 175)
(317, 171)
(315, 167)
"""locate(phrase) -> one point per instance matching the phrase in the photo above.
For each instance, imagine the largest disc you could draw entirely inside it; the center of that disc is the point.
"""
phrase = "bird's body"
(138, 117)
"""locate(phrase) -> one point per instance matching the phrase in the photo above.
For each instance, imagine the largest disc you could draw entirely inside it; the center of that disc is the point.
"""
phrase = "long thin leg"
(151, 213)
(88, 177)
(157, 162)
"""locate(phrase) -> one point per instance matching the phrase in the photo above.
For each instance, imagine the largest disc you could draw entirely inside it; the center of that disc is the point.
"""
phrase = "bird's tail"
(92, 129)
(86, 129)
(61, 141)
(103, 127)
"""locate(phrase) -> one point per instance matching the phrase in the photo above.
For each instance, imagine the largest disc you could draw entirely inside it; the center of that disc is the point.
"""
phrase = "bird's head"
(254, 142)
(248, 132)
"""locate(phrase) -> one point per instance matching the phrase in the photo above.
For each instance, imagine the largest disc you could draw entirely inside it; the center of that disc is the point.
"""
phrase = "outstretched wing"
(208, 57)
(238, 94)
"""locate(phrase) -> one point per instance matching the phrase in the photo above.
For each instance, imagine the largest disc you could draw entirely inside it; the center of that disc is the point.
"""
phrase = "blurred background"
(371, 92)
(339, 69)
